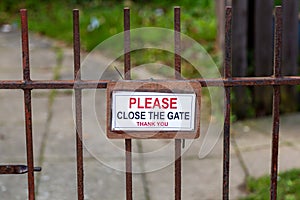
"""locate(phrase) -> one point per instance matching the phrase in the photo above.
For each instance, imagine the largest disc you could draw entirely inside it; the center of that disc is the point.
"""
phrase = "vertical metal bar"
(177, 60)
(128, 156)
(25, 45)
(276, 101)
(228, 35)
(27, 104)
(78, 105)
(177, 42)
(76, 45)
(278, 42)
(127, 75)
(29, 143)
(227, 74)
(127, 44)
(177, 169)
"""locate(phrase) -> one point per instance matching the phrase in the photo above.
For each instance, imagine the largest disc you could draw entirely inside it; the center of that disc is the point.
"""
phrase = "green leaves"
(288, 186)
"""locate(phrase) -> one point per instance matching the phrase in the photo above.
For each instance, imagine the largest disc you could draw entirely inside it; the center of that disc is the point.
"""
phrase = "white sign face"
(152, 111)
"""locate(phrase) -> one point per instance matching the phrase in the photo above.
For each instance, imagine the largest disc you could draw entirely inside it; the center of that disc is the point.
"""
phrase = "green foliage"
(288, 186)
(54, 18)
(278, 2)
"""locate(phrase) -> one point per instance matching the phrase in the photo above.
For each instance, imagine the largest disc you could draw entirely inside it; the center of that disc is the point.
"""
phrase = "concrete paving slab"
(255, 144)
(13, 187)
(237, 179)
(258, 162)
(193, 183)
(40, 47)
(12, 125)
(245, 135)
(57, 180)
(10, 48)
(12, 110)
(285, 155)
(201, 179)
(42, 69)
(289, 125)
(297, 146)
(262, 125)
(102, 182)
(211, 146)
(289, 128)
(161, 182)
(67, 67)
(12, 143)
(214, 151)
(60, 136)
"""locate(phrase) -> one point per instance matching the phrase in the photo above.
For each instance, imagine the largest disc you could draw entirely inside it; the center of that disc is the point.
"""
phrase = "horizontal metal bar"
(52, 84)
(250, 81)
(91, 84)
(16, 169)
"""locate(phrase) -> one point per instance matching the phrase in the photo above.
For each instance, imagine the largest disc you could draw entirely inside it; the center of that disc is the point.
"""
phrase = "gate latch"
(16, 169)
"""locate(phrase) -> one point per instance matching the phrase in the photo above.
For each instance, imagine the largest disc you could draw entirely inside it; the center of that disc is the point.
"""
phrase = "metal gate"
(27, 85)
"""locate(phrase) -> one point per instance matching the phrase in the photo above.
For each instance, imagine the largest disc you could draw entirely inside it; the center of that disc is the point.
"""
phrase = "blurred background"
(252, 42)
(201, 20)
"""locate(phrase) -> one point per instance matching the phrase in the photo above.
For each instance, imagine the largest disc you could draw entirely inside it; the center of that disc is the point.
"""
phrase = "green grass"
(54, 18)
(288, 186)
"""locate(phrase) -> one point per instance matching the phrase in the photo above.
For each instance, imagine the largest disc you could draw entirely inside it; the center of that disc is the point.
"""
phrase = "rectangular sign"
(152, 111)
(160, 109)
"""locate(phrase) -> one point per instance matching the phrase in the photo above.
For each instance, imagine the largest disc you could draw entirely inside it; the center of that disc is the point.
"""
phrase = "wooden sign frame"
(162, 86)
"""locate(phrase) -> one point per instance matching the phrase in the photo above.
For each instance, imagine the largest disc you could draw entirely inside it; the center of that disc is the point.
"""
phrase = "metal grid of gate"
(27, 85)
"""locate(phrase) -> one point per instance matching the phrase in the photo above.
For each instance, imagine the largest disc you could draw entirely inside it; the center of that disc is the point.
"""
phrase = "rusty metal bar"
(53, 84)
(102, 84)
(127, 71)
(27, 104)
(177, 169)
(78, 105)
(228, 35)
(177, 42)
(16, 169)
(29, 143)
(128, 155)
(227, 74)
(278, 42)
(249, 81)
(177, 67)
(276, 101)
(127, 75)
(25, 45)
